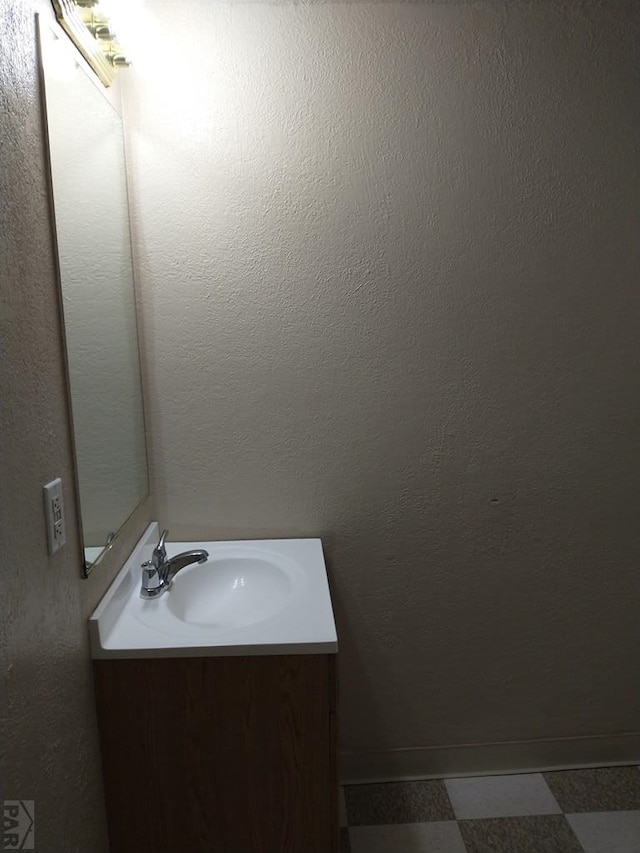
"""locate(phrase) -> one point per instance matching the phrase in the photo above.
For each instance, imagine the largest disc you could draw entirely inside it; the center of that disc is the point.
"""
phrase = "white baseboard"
(489, 758)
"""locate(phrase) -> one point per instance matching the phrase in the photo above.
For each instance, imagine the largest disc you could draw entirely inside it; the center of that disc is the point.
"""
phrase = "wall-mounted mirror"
(86, 154)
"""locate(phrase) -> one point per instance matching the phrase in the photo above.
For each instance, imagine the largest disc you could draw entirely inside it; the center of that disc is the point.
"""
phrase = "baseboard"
(489, 758)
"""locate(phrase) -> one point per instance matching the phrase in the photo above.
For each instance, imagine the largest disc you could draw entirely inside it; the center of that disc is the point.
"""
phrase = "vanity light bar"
(92, 33)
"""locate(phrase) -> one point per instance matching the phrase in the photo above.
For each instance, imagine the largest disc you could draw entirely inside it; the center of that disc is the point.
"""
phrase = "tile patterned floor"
(573, 811)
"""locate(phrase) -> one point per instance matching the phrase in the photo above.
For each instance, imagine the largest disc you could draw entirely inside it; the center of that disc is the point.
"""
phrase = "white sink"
(241, 584)
(250, 597)
(231, 591)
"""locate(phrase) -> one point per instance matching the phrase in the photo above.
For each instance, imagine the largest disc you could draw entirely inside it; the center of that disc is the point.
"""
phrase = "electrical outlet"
(54, 513)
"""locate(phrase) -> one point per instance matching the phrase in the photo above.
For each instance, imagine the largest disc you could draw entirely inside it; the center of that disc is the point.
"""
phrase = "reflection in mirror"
(94, 250)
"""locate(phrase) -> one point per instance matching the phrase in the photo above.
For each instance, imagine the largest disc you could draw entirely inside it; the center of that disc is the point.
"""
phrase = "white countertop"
(127, 626)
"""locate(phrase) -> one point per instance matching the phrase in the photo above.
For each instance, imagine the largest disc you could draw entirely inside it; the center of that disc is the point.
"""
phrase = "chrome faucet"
(158, 572)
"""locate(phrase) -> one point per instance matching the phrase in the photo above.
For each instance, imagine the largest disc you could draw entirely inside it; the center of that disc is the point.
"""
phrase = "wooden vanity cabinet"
(220, 754)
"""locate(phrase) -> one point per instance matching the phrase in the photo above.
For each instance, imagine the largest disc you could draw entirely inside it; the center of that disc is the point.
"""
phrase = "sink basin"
(250, 597)
(230, 592)
(241, 584)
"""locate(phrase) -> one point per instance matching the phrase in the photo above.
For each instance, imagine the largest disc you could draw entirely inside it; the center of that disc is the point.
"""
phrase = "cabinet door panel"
(219, 754)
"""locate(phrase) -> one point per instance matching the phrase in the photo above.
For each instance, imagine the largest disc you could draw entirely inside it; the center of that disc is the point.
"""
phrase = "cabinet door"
(235, 754)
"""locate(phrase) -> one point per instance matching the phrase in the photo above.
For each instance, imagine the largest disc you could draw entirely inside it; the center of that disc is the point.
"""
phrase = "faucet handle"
(160, 552)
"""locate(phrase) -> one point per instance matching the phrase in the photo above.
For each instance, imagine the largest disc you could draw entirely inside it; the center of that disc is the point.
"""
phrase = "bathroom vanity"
(218, 720)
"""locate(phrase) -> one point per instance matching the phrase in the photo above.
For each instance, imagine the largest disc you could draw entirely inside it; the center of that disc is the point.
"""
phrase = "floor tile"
(530, 834)
(501, 796)
(345, 845)
(343, 807)
(607, 832)
(397, 802)
(434, 837)
(604, 789)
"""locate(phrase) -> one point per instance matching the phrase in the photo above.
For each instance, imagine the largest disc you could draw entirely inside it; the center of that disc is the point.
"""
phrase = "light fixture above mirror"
(89, 26)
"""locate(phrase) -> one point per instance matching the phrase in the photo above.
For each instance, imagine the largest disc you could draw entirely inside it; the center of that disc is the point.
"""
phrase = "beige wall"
(390, 283)
(48, 741)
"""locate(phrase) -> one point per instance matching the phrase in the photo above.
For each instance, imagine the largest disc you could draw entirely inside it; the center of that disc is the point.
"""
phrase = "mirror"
(86, 153)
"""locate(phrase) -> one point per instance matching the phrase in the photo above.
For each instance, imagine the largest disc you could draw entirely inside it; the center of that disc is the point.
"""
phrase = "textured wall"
(390, 288)
(48, 741)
